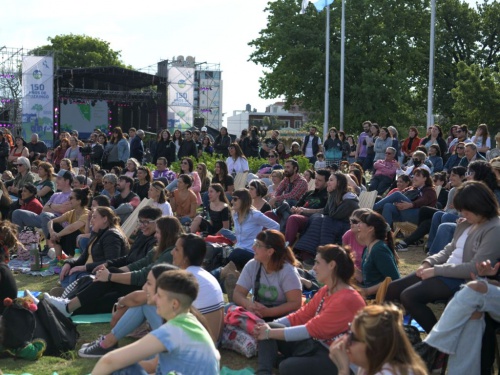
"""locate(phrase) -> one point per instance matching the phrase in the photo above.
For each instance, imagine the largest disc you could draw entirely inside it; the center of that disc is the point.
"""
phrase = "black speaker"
(199, 122)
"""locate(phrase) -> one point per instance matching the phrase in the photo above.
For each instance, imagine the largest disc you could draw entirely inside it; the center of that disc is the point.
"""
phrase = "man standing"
(196, 139)
(131, 134)
(37, 149)
(188, 146)
(205, 134)
(361, 148)
(57, 205)
(293, 186)
(385, 171)
(4, 152)
(269, 144)
(127, 201)
(137, 146)
(311, 145)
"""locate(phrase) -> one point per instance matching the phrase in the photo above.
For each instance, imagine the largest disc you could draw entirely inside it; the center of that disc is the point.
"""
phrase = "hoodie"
(344, 210)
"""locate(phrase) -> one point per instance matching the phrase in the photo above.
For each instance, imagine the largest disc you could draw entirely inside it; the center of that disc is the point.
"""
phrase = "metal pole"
(342, 60)
(327, 71)
(430, 91)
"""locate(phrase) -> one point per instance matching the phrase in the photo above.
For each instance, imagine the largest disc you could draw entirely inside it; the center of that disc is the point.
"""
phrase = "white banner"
(180, 97)
(38, 98)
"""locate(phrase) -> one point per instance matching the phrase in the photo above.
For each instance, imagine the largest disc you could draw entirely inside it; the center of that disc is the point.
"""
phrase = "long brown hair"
(246, 203)
(344, 259)
(282, 253)
(113, 220)
(380, 328)
(119, 132)
(171, 229)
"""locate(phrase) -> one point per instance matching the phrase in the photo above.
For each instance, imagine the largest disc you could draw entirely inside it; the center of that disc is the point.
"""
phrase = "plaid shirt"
(291, 189)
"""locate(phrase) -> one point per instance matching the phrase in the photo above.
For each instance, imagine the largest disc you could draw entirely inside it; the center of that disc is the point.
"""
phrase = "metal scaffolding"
(10, 87)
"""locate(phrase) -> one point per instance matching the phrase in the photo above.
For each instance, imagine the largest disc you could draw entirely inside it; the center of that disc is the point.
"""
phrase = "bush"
(253, 163)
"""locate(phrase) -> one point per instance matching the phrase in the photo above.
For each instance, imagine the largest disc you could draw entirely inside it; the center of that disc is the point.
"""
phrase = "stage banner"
(38, 98)
(180, 97)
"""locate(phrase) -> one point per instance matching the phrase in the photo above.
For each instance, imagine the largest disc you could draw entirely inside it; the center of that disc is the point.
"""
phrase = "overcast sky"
(215, 31)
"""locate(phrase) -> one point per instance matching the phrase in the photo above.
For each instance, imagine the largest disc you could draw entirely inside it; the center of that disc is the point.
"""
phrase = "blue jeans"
(390, 211)
(27, 218)
(439, 218)
(172, 186)
(461, 337)
(134, 317)
(134, 369)
(444, 235)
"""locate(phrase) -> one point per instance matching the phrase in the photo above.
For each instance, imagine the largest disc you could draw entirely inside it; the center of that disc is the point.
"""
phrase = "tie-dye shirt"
(190, 349)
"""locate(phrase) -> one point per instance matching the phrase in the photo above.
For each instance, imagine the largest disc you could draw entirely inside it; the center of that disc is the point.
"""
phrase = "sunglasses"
(460, 148)
(351, 337)
(354, 221)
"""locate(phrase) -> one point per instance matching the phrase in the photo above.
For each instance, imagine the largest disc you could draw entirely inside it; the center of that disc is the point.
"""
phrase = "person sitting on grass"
(184, 201)
(218, 212)
(132, 310)
(65, 229)
(100, 296)
(8, 242)
(183, 344)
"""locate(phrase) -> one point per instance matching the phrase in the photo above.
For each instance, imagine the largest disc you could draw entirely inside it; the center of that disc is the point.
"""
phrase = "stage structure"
(10, 88)
(194, 93)
(105, 97)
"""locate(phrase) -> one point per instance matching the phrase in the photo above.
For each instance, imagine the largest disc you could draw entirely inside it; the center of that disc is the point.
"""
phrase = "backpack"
(22, 326)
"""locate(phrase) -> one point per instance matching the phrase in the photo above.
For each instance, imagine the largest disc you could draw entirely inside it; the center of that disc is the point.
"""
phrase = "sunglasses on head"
(354, 221)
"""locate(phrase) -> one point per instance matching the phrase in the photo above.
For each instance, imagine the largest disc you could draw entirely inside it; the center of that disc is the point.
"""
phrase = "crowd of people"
(282, 239)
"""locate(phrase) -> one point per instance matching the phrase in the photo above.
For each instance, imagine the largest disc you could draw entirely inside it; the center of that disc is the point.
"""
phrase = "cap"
(65, 174)
(295, 144)
(204, 129)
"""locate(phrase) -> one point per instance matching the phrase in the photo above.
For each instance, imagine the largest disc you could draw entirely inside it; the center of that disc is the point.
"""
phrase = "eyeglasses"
(145, 222)
(256, 243)
(354, 221)
(460, 148)
(351, 337)
(230, 148)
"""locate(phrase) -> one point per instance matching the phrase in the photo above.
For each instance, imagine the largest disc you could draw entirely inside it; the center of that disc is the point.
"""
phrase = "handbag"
(412, 194)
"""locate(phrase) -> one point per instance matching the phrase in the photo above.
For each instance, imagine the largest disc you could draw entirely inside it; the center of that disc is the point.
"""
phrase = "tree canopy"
(79, 51)
(386, 56)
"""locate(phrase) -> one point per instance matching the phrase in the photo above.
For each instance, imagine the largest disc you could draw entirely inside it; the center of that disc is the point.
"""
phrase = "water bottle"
(78, 253)
(35, 259)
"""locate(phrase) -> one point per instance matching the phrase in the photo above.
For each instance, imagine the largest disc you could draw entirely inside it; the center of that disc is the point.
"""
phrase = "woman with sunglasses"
(377, 344)
(236, 162)
(303, 337)
(265, 170)
(272, 276)
(379, 259)
(440, 276)
(65, 229)
(157, 193)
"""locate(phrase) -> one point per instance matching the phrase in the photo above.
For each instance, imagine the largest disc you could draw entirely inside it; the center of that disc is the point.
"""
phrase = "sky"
(213, 31)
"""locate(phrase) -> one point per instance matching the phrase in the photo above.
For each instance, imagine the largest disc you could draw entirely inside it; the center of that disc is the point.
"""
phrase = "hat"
(65, 174)
(204, 129)
(295, 144)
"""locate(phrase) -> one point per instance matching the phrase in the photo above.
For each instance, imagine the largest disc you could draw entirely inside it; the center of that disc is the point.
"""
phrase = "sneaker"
(58, 303)
(402, 246)
(95, 350)
(98, 340)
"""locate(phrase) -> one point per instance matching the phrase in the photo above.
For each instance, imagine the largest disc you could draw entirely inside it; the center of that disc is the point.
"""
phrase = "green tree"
(79, 51)
(477, 96)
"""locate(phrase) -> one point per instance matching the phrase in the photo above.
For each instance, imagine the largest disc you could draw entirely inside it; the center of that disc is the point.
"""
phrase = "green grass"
(74, 365)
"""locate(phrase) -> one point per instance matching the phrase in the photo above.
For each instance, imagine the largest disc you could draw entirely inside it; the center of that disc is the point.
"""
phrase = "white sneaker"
(59, 303)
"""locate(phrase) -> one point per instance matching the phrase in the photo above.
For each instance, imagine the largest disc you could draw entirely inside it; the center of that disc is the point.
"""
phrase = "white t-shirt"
(478, 141)
(457, 255)
(209, 294)
(190, 348)
(273, 286)
(309, 146)
(165, 208)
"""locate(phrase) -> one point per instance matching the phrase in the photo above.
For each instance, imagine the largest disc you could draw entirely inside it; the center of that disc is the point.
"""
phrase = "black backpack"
(22, 326)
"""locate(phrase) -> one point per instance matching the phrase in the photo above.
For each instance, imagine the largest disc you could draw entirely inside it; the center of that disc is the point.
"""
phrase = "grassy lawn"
(73, 365)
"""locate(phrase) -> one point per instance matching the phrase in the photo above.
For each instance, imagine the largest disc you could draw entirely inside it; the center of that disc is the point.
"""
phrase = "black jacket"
(139, 249)
(106, 244)
(188, 148)
(4, 154)
(166, 150)
(137, 149)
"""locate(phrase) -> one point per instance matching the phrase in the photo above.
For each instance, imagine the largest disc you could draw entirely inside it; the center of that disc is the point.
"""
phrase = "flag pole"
(327, 71)
(342, 60)
(430, 89)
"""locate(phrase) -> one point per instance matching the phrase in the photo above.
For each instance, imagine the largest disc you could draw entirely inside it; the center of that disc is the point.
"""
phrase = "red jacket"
(33, 205)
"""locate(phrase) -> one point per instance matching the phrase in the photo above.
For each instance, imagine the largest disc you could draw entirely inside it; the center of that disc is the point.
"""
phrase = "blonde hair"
(380, 328)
